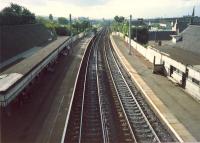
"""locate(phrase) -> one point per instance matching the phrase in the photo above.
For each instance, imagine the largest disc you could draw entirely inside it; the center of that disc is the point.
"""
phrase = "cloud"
(108, 8)
(88, 3)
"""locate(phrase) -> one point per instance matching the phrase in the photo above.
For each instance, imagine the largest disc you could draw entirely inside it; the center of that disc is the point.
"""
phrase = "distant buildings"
(174, 45)
(179, 61)
(177, 24)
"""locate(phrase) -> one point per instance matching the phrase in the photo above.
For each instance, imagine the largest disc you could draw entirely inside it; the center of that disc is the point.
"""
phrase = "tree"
(119, 19)
(16, 10)
(76, 25)
(63, 21)
(51, 17)
(142, 34)
(81, 25)
(16, 14)
(85, 24)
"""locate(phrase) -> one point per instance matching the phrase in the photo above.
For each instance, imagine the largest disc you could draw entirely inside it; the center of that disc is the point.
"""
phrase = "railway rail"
(159, 128)
(85, 121)
(107, 107)
(146, 126)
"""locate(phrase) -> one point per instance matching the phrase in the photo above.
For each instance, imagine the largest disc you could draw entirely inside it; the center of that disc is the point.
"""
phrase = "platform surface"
(165, 94)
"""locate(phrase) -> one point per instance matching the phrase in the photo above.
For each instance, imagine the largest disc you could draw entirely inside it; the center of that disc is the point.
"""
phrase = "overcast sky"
(109, 8)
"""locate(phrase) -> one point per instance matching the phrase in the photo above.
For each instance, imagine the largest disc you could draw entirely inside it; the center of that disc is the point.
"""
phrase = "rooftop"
(27, 64)
(186, 51)
(8, 80)
(12, 75)
(191, 39)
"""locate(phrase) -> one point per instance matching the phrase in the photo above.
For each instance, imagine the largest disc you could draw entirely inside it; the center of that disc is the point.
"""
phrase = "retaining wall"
(19, 38)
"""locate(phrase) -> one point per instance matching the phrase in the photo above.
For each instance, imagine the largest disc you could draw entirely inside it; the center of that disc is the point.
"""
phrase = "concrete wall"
(19, 38)
(149, 53)
(191, 86)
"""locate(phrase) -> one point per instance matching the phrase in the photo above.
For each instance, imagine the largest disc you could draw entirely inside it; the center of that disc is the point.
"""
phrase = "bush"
(16, 15)
(62, 31)
(142, 34)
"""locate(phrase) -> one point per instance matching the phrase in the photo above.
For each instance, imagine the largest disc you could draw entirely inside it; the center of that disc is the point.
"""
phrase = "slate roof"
(182, 25)
(161, 35)
(186, 51)
(191, 39)
(28, 64)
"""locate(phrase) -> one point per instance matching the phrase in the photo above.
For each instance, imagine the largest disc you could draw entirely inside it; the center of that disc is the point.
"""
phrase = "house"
(182, 62)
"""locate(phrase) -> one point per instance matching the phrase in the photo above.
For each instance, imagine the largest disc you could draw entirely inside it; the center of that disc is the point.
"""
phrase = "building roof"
(182, 25)
(28, 64)
(186, 51)
(180, 55)
(8, 80)
(23, 68)
(161, 35)
(190, 39)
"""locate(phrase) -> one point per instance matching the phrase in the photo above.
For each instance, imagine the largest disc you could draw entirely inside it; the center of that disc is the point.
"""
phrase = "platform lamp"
(70, 22)
(130, 34)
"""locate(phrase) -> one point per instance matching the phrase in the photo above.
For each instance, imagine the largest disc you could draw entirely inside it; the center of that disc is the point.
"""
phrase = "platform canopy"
(7, 80)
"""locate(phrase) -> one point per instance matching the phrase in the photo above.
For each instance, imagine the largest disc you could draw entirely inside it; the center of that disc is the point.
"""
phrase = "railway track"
(145, 124)
(104, 107)
(85, 123)
(116, 123)
(158, 127)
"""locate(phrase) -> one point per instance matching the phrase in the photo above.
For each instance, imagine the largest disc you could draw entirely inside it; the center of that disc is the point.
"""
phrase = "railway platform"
(42, 118)
(178, 110)
(27, 69)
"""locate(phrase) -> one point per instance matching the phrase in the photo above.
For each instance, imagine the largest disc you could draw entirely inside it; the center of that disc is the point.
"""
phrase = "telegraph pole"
(130, 34)
(70, 22)
(70, 27)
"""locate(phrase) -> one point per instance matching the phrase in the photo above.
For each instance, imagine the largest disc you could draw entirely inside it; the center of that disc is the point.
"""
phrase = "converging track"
(106, 105)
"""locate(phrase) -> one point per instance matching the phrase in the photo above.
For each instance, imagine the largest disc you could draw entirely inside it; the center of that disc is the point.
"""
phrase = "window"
(196, 81)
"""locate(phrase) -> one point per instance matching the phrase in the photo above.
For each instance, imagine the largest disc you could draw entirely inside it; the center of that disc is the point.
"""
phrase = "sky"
(109, 8)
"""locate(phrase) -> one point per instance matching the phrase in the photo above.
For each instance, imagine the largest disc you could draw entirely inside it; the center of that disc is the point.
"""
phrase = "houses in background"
(179, 57)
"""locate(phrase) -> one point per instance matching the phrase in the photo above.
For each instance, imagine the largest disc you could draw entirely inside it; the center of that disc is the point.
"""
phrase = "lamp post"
(70, 22)
(130, 34)
(70, 27)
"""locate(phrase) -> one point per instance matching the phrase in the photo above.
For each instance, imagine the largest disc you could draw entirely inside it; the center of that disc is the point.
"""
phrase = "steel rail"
(132, 133)
(104, 127)
(125, 85)
(93, 49)
(67, 118)
(83, 69)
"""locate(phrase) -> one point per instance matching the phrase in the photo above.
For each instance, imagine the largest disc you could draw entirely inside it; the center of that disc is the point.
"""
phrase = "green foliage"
(62, 31)
(80, 26)
(119, 19)
(49, 24)
(50, 17)
(62, 21)
(62, 27)
(16, 14)
(94, 29)
(120, 25)
(140, 34)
